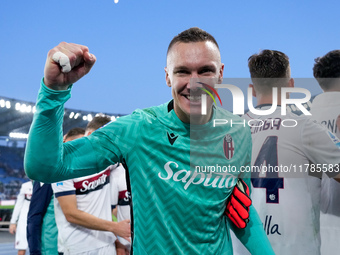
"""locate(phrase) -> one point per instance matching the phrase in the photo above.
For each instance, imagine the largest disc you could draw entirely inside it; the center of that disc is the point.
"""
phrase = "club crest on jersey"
(228, 146)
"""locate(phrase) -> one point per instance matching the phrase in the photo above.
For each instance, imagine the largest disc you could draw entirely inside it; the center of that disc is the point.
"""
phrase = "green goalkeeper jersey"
(180, 175)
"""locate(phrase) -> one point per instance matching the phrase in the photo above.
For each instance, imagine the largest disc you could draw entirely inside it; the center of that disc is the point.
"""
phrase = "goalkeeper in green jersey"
(176, 208)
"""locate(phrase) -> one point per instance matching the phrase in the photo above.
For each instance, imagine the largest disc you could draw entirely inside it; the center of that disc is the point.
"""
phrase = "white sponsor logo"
(94, 184)
(127, 195)
(216, 180)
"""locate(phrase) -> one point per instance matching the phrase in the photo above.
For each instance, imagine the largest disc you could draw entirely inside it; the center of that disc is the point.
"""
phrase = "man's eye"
(182, 72)
(207, 70)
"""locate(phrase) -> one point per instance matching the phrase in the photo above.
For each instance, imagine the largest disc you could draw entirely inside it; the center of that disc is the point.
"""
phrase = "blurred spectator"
(18, 221)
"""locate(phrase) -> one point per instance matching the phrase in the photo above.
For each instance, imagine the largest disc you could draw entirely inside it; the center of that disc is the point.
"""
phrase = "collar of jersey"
(172, 121)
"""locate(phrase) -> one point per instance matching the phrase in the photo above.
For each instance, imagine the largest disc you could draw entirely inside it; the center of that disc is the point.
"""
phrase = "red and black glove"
(238, 204)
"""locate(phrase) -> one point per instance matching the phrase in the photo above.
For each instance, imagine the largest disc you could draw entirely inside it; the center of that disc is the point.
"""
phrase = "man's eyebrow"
(180, 68)
(211, 67)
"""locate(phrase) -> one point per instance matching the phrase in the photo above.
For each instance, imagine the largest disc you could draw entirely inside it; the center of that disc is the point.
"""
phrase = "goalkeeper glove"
(238, 204)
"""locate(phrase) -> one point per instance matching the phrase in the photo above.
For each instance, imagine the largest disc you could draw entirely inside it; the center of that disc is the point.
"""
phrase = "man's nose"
(193, 80)
(194, 75)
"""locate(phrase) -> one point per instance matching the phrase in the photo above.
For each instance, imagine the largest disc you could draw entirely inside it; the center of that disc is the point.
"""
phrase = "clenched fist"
(66, 64)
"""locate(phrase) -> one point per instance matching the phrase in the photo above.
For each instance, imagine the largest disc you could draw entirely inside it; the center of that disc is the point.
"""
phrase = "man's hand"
(121, 249)
(66, 64)
(238, 204)
(12, 228)
(122, 229)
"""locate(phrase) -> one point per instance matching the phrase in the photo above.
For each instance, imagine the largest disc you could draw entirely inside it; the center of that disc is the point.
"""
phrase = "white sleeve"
(319, 144)
(123, 201)
(114, 188)
(18, 205)
(64, 188)
(121, 180)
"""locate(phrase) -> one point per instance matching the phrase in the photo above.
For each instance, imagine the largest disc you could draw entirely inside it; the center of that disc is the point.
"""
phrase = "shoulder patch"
(334, 139)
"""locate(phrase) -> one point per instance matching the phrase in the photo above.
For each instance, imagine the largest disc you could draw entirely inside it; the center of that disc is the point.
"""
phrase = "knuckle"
(85, 48)
(54, 50)
(78, 52)
(50, 53)
(63, 44)
(72, 57)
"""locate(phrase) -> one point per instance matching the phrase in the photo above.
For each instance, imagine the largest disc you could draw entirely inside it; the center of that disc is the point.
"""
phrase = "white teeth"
(194, 98)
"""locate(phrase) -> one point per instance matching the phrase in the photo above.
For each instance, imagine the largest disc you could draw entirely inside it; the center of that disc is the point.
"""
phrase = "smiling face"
(192, 60)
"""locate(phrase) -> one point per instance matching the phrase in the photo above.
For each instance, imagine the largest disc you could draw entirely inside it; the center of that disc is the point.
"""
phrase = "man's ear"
(88, 132)
(291, 83)
(253, 92)
(167, 78)
(220, 77)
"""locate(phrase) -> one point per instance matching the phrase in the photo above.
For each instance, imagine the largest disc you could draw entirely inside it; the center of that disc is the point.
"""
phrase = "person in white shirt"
(18, 220)
(285, 193)
(325, 110)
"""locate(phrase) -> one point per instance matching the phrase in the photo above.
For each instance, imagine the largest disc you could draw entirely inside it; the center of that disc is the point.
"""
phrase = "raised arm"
(46, 158)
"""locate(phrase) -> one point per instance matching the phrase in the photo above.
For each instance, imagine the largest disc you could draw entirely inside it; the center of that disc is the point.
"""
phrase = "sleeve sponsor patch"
(334, 139)
(124, 198)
